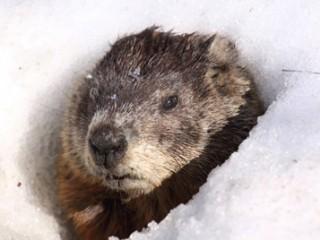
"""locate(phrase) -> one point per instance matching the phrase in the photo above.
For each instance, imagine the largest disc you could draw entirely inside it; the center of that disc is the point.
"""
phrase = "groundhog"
(147, 125)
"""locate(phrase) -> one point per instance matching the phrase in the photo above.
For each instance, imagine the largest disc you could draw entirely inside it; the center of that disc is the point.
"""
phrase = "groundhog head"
(151, 107)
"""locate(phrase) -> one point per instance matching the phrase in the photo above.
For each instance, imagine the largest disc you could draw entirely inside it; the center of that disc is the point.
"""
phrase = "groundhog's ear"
(223, 72)
(222, 51)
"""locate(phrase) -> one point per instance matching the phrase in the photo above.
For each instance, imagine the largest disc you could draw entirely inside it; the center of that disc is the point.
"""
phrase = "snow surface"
(269, 189)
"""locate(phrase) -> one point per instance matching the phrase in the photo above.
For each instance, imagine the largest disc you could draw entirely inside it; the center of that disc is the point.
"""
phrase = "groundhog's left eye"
(170, 102)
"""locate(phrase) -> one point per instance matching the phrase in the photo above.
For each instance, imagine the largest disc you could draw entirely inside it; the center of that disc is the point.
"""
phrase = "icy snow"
(269, 189)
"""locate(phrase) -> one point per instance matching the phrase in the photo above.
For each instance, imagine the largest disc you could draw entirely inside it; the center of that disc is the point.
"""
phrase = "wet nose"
(107, 146)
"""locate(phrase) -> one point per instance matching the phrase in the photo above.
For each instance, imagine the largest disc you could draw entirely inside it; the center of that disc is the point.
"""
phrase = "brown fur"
(229, 107)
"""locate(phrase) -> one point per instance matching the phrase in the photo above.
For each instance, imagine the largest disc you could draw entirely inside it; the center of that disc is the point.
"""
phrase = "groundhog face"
(151, 106)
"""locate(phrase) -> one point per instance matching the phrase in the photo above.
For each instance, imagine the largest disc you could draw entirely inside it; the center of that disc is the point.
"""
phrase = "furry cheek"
(147, 159)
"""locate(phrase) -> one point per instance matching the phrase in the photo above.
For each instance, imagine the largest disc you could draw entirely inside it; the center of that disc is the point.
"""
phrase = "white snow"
(269, 189)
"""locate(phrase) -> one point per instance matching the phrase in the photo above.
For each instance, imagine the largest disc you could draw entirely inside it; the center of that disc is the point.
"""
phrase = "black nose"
(108, 146)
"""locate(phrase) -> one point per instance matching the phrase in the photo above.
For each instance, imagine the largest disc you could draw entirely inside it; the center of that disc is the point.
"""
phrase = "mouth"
(131, 184)
(113, 177)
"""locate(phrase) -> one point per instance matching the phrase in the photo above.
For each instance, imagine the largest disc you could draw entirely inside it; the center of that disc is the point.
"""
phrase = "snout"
(108, 146)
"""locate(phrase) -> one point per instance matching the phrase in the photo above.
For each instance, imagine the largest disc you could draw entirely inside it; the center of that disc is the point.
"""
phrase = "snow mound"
(267, 190)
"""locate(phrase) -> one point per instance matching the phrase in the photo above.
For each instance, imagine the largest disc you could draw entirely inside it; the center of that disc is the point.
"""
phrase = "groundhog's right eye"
(170, 102)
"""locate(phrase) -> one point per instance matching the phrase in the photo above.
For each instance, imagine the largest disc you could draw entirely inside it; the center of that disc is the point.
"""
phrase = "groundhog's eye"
(170, 102)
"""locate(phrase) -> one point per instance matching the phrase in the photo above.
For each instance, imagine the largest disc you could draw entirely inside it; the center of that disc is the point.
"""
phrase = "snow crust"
(269, 189)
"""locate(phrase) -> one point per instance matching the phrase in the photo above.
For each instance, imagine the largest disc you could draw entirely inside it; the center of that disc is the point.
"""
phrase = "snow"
(269, 189)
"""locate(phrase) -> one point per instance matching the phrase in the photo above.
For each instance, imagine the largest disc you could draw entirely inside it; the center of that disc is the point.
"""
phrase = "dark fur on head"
(171, 151)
